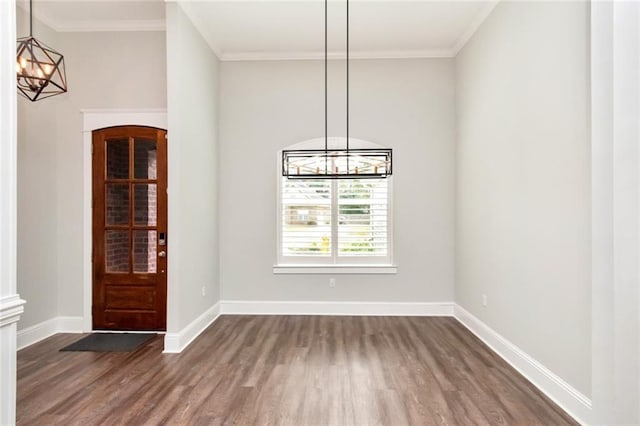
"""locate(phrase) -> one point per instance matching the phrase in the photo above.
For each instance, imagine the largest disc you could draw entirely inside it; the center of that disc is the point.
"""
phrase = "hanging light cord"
(326, 126)
(347, 86)
(30, 18)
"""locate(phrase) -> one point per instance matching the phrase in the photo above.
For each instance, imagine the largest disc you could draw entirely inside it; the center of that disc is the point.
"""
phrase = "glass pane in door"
(145, 157)
(118, 159)
(117, 251)
(145, 201)
(117, 204)
(144, 251)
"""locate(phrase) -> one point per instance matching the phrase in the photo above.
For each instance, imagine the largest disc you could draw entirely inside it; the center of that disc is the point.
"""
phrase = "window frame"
(333, 263)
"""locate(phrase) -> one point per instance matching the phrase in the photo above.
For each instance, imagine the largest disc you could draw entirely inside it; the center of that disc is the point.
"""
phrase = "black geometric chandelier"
(336, 163)
(40, 69)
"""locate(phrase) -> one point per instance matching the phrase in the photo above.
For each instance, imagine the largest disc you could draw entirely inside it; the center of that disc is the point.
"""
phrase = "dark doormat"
(110, 342)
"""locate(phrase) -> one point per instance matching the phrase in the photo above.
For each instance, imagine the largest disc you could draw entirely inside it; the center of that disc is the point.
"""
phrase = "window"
(334, 222)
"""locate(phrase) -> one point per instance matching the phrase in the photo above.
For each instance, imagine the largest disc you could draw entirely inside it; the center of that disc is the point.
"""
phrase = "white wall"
(192, 76)
(626, 208)
(615, 86)
(523, 191)
(105, 70)
(37, 255)
(407, 105)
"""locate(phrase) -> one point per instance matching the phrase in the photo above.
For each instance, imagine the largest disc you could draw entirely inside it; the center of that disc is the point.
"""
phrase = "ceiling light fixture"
(336, 163)
(40, 69)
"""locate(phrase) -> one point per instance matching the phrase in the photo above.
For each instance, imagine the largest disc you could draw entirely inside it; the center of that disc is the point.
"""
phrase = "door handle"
(162, 254)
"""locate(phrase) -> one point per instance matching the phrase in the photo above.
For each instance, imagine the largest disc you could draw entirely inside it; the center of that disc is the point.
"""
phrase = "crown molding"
(95, 25)
(314, 56)
(473, 26)
(160, 25)
(112, 26)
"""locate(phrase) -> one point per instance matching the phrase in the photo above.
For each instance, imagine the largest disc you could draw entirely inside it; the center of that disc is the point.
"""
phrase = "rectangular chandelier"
(363, 163)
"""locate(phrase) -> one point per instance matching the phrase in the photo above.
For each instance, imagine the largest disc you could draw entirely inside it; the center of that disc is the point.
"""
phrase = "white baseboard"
(48, 328)
(176, 342)
(242, 307)
(559, 391)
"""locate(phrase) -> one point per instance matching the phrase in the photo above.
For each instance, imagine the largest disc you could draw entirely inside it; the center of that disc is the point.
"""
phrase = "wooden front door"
(130, 242)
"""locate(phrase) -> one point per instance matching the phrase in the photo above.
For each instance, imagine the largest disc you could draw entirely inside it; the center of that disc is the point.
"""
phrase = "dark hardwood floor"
(288, 370)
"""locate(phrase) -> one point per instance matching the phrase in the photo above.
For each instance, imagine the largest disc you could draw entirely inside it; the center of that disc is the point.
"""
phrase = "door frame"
(95, 119)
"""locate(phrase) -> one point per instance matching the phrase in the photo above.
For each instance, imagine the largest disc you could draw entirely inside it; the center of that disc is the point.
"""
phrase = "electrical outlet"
(332, 282)
(204, 291)
(484, 300)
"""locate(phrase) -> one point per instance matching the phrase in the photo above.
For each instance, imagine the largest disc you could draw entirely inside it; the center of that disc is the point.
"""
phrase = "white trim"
(474, 25)
(11, 307)
(176, 342)
(45, 329)
(250, 307)
(138, 25)
(335, 269)
(93, 119)
(8, 151)
(8, 203)
(316, 56)
(564, 395)
(87, 227)
(94, 25)
(204, 29)
(8, 370)
(70, 324)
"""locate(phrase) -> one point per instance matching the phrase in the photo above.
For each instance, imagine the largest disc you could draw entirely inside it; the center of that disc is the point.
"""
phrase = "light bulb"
(39, 73)
(47, 69)
(23, 63)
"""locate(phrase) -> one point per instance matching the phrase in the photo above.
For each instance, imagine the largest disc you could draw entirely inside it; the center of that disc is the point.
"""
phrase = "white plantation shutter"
(306, 218)
(334, 221)
(362, 217)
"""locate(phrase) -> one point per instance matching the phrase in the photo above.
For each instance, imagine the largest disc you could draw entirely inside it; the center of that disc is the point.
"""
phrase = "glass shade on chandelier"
(336, 163)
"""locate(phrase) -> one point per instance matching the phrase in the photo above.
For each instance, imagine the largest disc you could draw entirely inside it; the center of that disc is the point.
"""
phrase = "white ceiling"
(294, 29)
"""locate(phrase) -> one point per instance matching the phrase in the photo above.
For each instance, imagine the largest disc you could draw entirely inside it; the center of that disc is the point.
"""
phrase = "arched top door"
(130, 245)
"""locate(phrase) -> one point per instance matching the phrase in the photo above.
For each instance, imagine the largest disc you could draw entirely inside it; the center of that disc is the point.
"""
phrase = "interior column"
(10, 303)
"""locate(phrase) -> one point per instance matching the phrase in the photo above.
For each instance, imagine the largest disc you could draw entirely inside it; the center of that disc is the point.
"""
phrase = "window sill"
(336, 269)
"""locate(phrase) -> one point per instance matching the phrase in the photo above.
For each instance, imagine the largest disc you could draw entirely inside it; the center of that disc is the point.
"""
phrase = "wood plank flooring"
(285, 370)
